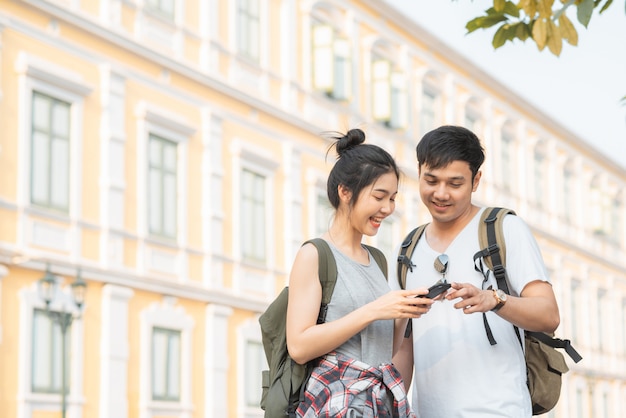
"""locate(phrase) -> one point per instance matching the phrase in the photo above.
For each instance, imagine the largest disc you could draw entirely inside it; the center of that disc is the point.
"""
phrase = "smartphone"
(435, 290)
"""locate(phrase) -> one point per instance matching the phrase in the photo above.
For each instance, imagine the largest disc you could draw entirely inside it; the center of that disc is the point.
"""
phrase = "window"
(248, 28)
(427, 111)
(472, 116)
(573, 308)
(163, 8)
(331, 62)
(381, 91)
(47, 351)
(616, 213)
(50, 156)
(507, 167)
(568, 190)
(255, 362)
(598, 202)
(166, 364)
(539, 177)
(601, 318)
(162, 193)
(580, 403)
(253, 216)
(623, 329)
(165, 360)
(384, 239)
(323, 214)
(389, 96)
(605, 405)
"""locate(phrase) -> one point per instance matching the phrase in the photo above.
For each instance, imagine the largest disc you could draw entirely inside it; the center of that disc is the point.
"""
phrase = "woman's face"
(375, 203)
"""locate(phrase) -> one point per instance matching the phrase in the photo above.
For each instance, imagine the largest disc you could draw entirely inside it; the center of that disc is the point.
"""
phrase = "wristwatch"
(500, 299)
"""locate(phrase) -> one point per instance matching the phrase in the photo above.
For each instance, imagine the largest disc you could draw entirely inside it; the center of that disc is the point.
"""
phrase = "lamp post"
(47, 288)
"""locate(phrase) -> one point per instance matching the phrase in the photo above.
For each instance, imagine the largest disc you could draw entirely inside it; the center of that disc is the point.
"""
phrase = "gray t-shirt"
(357, 285)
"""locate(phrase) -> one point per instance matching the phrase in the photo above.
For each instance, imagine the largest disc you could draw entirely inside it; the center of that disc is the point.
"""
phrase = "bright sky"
(581, 89)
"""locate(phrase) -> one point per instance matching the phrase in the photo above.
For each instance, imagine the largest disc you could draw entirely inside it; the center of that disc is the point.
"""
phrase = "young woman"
(353, 375)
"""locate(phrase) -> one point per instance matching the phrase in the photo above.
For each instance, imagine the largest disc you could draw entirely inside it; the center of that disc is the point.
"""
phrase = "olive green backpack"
(545, 365)
(283, 384)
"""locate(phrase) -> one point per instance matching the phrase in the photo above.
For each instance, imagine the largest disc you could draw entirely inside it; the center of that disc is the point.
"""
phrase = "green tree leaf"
(606, 6)
(584, 12)
(500, 37)
(511, 9)
(522, 31)
(483, 22)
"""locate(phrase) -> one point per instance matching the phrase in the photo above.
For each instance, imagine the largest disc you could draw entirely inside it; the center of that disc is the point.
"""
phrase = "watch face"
(501, 295)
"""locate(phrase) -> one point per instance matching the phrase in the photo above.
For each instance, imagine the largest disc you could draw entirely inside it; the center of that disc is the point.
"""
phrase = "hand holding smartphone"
(435, 290)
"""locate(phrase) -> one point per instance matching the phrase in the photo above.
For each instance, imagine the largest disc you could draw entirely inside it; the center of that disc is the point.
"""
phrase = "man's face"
(447, 191)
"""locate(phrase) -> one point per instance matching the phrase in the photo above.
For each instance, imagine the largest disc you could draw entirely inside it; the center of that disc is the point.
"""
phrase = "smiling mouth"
(376, 221)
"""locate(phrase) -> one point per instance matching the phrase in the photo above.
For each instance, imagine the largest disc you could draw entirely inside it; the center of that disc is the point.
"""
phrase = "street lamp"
(47, 288)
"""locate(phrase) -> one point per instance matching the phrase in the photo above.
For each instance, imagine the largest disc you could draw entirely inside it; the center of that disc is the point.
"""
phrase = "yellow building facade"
(169, 153)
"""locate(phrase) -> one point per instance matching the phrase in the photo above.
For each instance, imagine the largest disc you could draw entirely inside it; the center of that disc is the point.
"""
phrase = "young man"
(456, 372)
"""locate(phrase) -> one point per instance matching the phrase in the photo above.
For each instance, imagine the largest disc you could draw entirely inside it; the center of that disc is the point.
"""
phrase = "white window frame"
(472, 116)
(167, 316)
(389, 226)
(616, 218)
(168, 125)
(156, 7)
(162, 231)
(50, 345)
(389, 97)
(248, 376)
(506, 161)
(28, 401)
(429, 108)
(253, 37)
(569, 188)
(323, 211)
(48, 78)
(540, 173)
(251, 157)
(331, 51)
(171, 363)
(51, 168)
(251, 237)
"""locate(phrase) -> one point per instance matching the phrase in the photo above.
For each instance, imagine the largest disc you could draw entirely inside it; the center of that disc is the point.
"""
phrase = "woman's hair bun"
(350, 140)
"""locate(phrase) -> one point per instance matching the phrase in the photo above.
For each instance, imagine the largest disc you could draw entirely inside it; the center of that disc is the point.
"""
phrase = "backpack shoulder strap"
(405, 264)
(406, 252)
(380, 258)
(491, 241)
(327, 269)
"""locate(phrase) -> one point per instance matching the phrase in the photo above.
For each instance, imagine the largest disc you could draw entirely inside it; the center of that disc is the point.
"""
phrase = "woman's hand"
(400, 304)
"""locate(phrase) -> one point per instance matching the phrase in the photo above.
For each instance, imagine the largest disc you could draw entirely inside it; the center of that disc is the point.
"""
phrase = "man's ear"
(476, 180)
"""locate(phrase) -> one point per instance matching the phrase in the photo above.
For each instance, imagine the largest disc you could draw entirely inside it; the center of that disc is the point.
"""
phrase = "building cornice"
(414, 30)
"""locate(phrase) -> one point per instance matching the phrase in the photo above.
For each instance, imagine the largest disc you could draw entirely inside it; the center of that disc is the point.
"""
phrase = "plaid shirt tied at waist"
(337, 379)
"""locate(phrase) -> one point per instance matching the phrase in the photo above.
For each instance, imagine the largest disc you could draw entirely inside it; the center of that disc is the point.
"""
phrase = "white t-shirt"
(457, 373)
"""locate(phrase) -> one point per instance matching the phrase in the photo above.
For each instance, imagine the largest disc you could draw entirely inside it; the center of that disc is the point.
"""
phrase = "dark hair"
(448, 143)
(358, 165)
